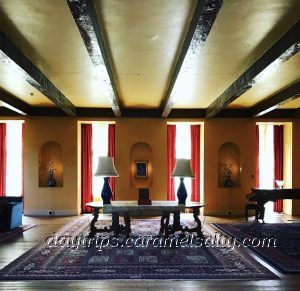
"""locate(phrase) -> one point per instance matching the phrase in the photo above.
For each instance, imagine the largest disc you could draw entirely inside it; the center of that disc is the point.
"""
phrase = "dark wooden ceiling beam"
(184, 114)
(282, 50)
(8, 112)
(280, 114)
(233, 113)
(11, 56)
(286, 95)
(246, 113)
(204, 16)
(48, 111)
(297, 112)
(85, 16)
(94, 112)
(142, 113)
(15, 104)
(187, 113)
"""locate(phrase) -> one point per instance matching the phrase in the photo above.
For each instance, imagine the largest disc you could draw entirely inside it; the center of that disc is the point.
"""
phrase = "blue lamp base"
(106, 193)
(181, 192)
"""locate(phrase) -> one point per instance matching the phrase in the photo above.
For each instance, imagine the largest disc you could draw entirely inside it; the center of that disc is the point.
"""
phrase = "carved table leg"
(115, 223)
(176, 222)
(95, 218)
(127, 224)
(164, 222)
(261, 211)
(198, 230)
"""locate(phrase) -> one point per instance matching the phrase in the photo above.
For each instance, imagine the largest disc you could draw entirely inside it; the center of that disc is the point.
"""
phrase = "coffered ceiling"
(152, 58)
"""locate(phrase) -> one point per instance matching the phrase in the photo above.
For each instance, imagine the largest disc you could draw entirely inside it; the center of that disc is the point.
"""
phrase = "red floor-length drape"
(87, 166)
(257, 157)
(2, 159)
(111, 153)
(171, 156)
(278, 162)
(195, 162)
(22, 157)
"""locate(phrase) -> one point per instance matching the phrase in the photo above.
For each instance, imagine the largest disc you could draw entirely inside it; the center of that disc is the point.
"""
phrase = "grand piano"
(262, 196)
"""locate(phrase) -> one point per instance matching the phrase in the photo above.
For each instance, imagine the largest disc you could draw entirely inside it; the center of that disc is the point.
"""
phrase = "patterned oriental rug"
(285, 256)
(62, 257)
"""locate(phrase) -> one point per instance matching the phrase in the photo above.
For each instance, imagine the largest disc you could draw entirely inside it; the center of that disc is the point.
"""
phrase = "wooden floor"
(12, 249)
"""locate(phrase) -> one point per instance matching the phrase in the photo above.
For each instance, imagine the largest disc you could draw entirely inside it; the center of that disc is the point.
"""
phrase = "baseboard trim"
(224, 213)
(50, 212)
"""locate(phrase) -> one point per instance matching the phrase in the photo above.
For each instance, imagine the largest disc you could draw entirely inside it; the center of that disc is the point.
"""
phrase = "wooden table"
(128, 208)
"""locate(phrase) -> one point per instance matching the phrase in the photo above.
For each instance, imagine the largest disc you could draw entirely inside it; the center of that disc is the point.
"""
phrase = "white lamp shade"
(183, 169)
(279, 183)
(106, 167)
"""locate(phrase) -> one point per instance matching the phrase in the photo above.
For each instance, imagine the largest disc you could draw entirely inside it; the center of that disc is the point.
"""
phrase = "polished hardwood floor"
(13, 248)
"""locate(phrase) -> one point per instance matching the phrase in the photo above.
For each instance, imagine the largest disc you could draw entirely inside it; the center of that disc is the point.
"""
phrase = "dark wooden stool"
(251, 206)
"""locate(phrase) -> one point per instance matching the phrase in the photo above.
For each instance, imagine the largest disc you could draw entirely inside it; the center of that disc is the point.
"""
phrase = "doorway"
(274, 160)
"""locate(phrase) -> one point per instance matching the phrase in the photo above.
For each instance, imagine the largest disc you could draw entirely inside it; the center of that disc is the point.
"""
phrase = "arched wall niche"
(229, 165)
(141, 155)
(50, 152)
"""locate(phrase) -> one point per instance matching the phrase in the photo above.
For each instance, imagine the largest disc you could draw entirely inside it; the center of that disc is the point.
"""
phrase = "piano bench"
(251, 206)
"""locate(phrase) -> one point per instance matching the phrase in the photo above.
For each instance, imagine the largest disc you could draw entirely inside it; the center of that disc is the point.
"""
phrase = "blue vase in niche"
(51, 181)
(228, 183)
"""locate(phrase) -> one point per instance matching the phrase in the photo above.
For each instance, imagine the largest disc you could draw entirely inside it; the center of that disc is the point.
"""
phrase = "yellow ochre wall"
(242, 133)
(64, 130)
(153, 132)
(61, 200)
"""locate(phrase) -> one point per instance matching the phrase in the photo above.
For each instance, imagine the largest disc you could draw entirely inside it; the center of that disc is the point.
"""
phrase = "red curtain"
(87, 166)
(278, 162)
(195, 162)
(171, 156)
(111, 153)
(23, 135)
(2, 159)
(257, 157)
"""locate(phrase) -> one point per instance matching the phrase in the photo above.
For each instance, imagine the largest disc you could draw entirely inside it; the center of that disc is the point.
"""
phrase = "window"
(273, 158)
(266, 156)
(184, 142)
(100, 148)
(97, 139)
(183, 151)
(14, 159)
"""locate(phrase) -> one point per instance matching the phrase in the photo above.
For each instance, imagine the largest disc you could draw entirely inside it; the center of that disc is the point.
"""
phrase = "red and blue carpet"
(62, 258)
(285, 256)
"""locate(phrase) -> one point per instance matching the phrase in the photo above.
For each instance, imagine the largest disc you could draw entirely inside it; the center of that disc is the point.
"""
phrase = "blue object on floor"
(11, 209)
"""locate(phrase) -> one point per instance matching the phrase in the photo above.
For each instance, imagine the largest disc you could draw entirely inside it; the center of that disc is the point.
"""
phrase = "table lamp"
(279, 184)
(182, 169)
(106, 169)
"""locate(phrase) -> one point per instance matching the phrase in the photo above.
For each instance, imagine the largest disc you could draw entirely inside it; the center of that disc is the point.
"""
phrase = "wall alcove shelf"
(50, 154)
(141, 155)
(229, 165)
